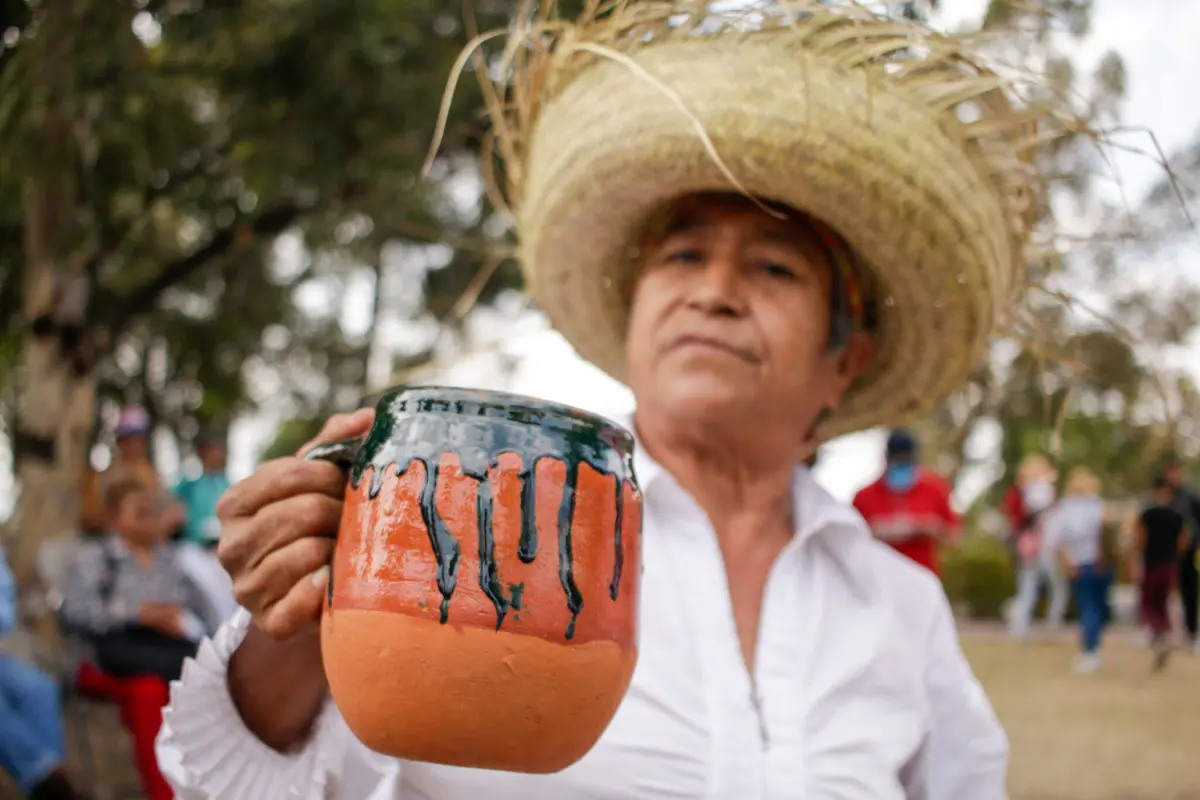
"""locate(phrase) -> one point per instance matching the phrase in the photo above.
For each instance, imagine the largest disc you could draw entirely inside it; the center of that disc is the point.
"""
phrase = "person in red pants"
(1161, 538)
(128, 597)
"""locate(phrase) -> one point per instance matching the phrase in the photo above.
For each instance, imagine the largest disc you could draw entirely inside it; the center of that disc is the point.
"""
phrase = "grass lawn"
(1122, 733)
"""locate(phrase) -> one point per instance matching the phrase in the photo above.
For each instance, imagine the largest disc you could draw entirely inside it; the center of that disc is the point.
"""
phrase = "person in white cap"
(775, 226)
(131, 457)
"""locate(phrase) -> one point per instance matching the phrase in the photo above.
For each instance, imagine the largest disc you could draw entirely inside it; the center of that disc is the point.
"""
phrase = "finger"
(291, 520)
(259, 589)
(297, 609)
(342, 426)
(277, 480)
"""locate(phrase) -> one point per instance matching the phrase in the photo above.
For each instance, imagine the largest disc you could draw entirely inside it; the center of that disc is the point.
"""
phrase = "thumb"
(342, 426)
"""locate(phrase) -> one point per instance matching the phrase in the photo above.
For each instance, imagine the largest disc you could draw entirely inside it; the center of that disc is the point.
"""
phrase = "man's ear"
(856, 356)
(851, 362)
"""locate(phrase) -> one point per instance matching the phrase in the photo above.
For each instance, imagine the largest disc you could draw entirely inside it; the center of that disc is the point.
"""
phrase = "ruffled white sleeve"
(206, 752)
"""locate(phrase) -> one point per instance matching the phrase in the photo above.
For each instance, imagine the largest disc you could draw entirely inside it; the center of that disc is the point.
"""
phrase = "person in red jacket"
(909, 507)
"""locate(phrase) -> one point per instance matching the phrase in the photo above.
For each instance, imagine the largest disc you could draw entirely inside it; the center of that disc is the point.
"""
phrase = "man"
(198, 546)
(667, 215)
(131, 459)
(1161, 538)
(200, 494)
(1187, 504)
(32, 747)
(908, 507)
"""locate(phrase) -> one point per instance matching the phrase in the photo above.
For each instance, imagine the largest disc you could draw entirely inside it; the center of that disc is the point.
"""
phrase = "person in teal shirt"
(201, 530)
(201, 494)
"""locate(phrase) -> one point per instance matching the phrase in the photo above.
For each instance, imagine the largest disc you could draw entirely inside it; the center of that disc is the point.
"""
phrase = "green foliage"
(978, 577)
(205, 129)
(1087, 388)
(291, 436)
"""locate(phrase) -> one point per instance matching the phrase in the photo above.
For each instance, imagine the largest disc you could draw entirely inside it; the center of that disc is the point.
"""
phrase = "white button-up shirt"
(860, 690)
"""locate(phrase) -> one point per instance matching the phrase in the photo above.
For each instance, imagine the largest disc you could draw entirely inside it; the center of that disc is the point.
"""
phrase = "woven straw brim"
(875, 160)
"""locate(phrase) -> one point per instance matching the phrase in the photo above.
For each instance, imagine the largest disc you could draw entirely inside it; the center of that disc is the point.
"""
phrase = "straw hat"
(888, 132)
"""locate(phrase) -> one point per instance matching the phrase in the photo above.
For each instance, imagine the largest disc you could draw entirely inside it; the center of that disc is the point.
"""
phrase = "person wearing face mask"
(1037, 561)
(909, 507)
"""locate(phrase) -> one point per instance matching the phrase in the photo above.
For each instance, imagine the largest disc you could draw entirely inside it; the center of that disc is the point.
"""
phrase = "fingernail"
(320, 577)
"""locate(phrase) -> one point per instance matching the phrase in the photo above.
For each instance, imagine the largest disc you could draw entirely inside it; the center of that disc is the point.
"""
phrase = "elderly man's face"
(732, 312)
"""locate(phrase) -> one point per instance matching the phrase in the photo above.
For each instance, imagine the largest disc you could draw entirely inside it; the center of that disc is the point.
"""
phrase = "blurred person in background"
(1030, 494)
(1074, 528)
(130, 460)
(32, 747)
(128, 598)
(909, 506)
(128, 595)
(1037, 559)
(1186, 503)
(202, 529)
(1160, 541)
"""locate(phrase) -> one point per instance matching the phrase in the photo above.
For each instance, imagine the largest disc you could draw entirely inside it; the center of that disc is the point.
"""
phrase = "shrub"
(978, 577)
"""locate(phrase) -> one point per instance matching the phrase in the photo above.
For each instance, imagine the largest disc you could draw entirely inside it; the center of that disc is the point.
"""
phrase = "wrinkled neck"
(742, 478)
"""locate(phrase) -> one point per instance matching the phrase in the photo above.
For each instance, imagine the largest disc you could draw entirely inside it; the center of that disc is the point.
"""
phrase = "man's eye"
(684, 255)
(776, 270)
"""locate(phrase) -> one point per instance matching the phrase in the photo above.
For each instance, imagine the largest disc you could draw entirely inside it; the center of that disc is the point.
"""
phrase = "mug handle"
(341, 454)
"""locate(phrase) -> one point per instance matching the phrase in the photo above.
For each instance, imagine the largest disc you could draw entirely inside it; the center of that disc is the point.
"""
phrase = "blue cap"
(901, 443)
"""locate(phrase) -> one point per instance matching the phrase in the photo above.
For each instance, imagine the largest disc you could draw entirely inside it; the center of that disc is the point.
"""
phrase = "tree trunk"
(56, 386)
(56, 393)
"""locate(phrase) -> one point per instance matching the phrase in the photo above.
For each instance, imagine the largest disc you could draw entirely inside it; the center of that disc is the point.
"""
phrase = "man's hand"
(276, 542)
(278, 530)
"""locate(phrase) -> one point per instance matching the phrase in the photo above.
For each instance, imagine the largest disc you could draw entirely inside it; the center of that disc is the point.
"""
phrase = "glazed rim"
(457, 401)
(894, 135)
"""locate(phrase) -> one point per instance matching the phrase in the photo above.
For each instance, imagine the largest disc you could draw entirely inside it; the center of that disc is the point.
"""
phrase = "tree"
(151, 153)
(1075, 381)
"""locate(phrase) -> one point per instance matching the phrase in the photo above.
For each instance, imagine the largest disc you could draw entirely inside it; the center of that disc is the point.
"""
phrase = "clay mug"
(482, 606)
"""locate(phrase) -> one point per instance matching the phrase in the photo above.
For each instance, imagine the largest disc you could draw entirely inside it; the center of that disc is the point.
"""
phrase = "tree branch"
(113, 237)
(142, 299)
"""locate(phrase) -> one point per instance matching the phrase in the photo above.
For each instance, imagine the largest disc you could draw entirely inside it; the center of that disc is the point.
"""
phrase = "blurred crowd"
(1065, 540)
(1072, 547)
(133, 596)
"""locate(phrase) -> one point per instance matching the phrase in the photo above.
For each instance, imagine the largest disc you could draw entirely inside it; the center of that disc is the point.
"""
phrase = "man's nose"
(718, 286)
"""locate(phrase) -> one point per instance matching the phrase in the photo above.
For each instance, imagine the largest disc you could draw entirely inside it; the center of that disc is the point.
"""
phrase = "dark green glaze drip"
(420, 424)
(566, 560)
(445, 546)
(614, 588)
(527, 548)
(489, 577)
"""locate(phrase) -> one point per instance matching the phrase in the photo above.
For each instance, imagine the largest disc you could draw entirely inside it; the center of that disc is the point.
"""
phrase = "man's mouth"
(698, 341)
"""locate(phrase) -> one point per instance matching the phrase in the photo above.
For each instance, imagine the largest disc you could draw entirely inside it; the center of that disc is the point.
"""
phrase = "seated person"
(32, 749)
(127, 595)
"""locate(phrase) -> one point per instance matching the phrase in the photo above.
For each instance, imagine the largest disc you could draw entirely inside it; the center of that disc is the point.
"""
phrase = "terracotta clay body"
(483, 605)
